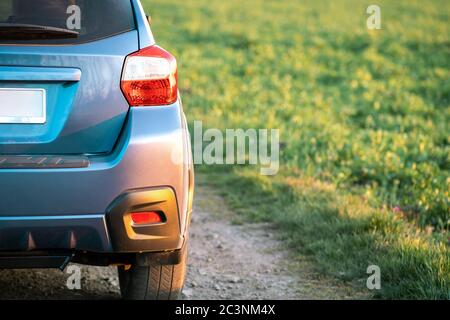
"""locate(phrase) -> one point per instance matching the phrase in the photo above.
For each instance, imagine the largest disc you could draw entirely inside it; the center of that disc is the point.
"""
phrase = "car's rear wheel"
(158, 282)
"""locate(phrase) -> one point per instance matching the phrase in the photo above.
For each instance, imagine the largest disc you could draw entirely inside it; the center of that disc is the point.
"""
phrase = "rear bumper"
(25, 234)
(109, 232)
(83, 209)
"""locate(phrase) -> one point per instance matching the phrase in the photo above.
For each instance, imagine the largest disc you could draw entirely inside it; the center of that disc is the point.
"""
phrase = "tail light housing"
(150, 78)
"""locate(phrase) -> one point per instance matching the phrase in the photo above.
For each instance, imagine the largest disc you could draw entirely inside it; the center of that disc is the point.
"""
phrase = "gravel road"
(227, 261)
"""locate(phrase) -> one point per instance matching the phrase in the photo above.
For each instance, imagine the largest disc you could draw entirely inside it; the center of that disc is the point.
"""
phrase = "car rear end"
(95, 160)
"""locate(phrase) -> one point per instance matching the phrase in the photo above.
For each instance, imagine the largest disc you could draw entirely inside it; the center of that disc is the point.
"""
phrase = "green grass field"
(364, 119)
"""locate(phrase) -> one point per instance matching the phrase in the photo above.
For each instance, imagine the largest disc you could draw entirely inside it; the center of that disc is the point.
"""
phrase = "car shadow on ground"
(51, 284)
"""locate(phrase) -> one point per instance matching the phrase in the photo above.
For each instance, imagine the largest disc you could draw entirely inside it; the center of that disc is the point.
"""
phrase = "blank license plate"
(22, 105)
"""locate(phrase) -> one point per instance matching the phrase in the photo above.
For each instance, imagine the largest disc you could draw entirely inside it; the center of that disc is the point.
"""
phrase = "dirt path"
(227, 261)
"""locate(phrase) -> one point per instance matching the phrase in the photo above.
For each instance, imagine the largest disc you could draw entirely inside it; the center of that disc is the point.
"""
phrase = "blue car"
(95, 156)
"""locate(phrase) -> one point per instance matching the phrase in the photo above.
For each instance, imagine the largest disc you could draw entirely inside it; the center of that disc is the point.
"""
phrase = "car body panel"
(84, 116)
(123, 151)
(152, 137)
(141, 159)
(146, 38)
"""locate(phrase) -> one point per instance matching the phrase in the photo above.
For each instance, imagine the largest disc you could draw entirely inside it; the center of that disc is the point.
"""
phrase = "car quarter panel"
(151, 138)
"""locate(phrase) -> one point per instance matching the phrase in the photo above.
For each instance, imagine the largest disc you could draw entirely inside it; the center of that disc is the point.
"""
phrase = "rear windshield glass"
(63, 21)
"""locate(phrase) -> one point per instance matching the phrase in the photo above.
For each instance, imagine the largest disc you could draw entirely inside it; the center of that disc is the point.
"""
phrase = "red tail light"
(144, 218)
(150, 78)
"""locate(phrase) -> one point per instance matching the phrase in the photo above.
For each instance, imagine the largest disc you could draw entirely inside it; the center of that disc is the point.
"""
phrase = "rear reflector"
(150, 78)
(145, 218)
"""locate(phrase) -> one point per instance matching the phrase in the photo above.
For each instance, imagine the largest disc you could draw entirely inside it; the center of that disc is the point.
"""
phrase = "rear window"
(88, 19)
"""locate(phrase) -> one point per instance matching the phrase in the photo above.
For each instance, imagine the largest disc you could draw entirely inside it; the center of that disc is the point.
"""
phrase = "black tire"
(154, 282)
